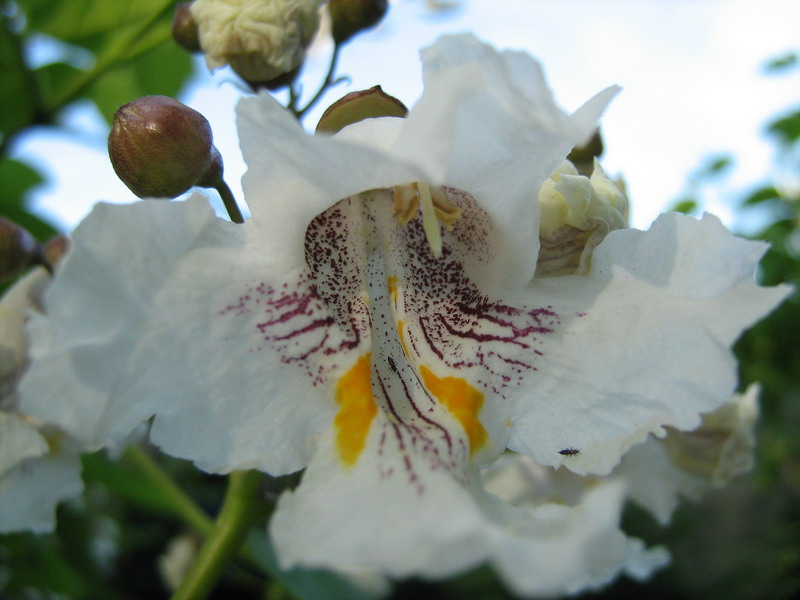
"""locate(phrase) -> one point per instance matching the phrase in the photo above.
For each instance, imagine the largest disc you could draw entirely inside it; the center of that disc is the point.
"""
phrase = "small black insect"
(569, 451)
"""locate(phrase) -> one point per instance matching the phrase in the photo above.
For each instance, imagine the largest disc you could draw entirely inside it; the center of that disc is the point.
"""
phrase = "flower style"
(377, 323)
(260, 39)
(38, 466)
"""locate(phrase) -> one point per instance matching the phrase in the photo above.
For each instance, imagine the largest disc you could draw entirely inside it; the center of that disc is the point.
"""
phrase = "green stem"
(117, 50)
(325, 84)
(182, 505)
(239, 510)
(229, 201)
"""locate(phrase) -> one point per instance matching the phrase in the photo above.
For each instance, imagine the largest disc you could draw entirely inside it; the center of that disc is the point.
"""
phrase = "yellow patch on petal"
(391, 283)
(357, 409)
(401, 326)
(462, 400)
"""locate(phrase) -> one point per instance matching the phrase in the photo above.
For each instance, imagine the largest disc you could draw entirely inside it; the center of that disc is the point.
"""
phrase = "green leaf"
(718, 164)
(686, 206)
(39, 563)
(17, 97)
(763, 194)
(53, 78)
(18, 178)
(781, 63)
(786, 128)
(79, 21)
(163, 70)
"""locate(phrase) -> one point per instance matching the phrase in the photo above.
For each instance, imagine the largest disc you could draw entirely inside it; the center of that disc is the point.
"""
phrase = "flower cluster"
(417, 308)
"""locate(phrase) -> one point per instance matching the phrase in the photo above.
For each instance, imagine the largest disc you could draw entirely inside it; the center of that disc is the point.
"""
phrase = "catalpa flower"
(39, 467)
(378, 323)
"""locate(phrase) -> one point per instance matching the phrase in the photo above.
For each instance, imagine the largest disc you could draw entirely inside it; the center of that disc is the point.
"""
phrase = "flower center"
(435, 206)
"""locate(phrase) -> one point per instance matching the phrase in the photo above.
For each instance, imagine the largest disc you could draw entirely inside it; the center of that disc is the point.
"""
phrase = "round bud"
(357, 106)
(184, 28)
(18, 250)
(159, 147)
(348, 17)
(55, 249)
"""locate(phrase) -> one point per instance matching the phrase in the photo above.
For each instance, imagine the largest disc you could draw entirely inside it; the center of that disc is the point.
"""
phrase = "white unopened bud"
(259, 39)
(576, 213)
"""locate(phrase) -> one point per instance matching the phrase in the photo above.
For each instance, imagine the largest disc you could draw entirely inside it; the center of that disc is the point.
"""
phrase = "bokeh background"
(709, 119)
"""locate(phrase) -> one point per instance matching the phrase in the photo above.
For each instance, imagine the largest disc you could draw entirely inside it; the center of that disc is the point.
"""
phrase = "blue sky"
(690, 72)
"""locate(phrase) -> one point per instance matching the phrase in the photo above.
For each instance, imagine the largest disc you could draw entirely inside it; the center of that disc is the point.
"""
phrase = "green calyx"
(357, 106)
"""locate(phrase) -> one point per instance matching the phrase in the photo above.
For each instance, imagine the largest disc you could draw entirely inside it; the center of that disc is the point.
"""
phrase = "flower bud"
(159, 147)
(357, 106)
(260, 39)
(184, 28)
(576, 212)
(348, 17)
(18, 250)
(55, 249)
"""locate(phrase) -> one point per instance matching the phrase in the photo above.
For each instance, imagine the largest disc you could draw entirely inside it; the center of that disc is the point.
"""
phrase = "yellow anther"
(435, 206)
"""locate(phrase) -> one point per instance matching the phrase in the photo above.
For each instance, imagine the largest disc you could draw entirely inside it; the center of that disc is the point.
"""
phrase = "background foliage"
(741, 542)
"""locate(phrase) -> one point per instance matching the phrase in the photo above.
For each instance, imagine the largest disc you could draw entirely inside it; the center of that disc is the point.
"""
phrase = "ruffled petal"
(476, 102)
(658, 473)
(496, 105)
(168, 317)
(643, 341)
(30, 491)
(19, 441)
(400, 511)
(16, 303)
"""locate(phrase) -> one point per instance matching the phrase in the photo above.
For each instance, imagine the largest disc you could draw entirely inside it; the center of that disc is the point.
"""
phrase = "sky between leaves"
(693, 87)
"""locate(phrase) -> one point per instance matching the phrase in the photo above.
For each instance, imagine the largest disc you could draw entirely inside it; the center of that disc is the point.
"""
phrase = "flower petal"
(19, 441)
(496, 103)
(399, 511)
(167, 317)
(30, 491)
(643, 341)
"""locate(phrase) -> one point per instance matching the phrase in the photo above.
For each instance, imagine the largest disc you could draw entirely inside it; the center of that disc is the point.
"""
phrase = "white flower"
(393, 356)
(260, 39)
(39, 467)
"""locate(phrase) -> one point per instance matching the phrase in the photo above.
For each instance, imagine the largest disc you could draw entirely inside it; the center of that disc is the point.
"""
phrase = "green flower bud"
(184, 28)
(159, 147)
(19, 250)
(357, 106)
(348, 17)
